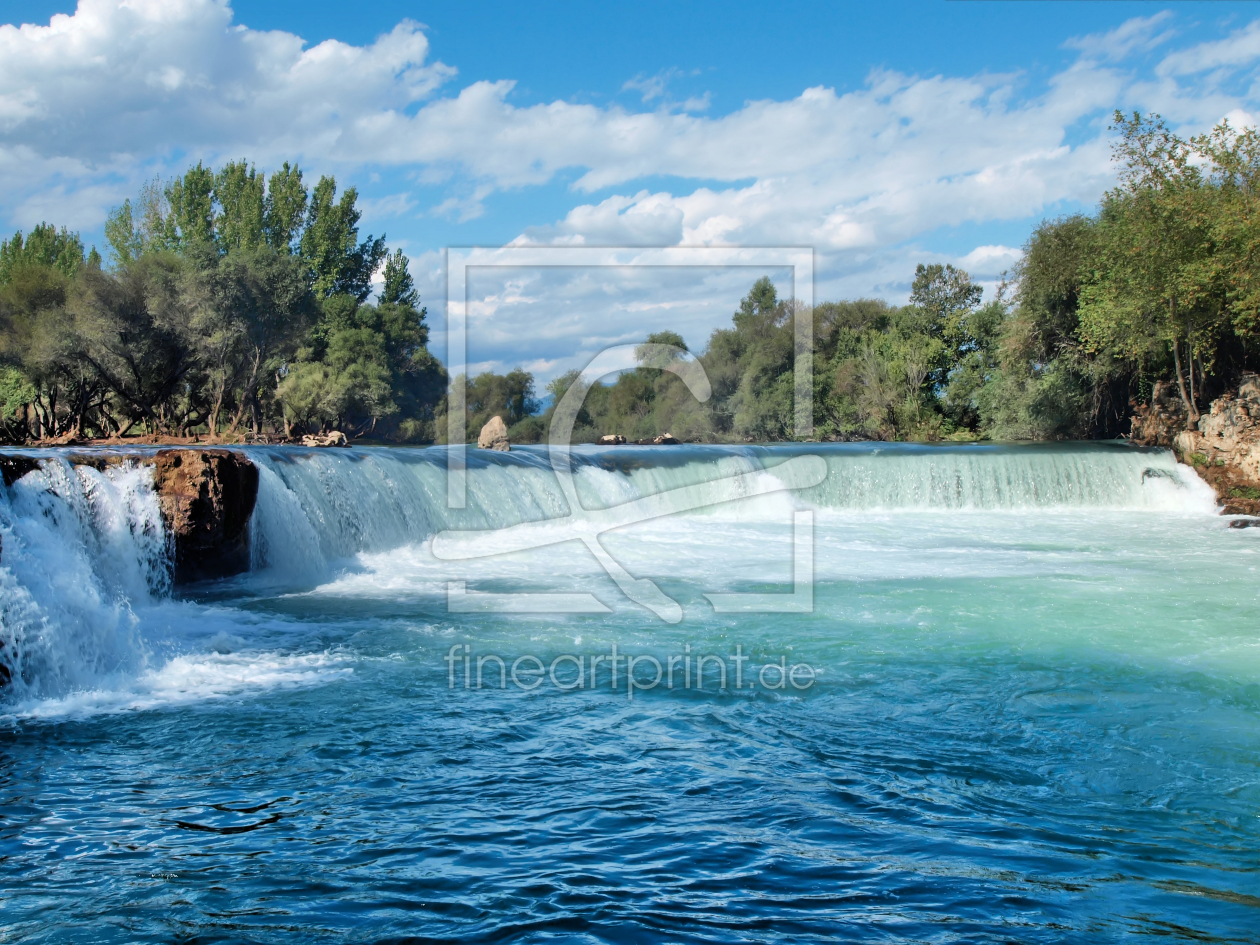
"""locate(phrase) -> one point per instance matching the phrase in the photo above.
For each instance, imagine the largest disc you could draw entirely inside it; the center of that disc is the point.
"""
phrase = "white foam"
(189, 679)
(86, 620)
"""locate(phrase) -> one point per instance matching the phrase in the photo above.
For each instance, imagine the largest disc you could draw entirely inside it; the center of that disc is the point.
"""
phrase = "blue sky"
(881, 134)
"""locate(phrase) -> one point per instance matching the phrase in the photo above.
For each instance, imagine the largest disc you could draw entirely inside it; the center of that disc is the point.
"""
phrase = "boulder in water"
(612, 439)
(494, 436)
(207, 498)
(666, 439)
(335, 438)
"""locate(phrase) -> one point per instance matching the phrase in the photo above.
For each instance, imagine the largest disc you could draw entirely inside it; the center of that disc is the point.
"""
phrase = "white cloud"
(122, 83)
(1139, 34)
(1240, 48)
(142, 78)
(92, 103)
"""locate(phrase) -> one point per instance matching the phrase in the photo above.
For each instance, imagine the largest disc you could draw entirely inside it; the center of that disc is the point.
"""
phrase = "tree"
(134, 334)
(947, 296)
(126, 243)
(45, 246)
(240, 193)
(191, 200)
(399, 289)
(1153, 287)
(338, 263)
(284, 208)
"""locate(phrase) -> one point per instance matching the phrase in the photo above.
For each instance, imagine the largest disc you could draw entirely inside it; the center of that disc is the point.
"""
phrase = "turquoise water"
(1031, 711)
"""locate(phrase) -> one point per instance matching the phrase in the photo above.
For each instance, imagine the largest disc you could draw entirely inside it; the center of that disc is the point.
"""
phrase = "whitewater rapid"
(89, 623)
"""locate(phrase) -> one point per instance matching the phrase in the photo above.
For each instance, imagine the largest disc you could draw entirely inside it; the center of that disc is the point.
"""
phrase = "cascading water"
(84, 553)
(314, 508)
(80, 548)
(1034, 699)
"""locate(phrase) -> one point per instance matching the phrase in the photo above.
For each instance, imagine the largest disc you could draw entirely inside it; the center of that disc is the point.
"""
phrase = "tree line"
(231, 304)
(1161, 285)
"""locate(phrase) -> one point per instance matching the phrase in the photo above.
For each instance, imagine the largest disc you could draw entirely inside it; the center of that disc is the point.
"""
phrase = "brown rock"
(1159, 422)
(666, 439)
(207, 498)
(335, 438)
(611, 439)
(1225, 448)
(494, 436)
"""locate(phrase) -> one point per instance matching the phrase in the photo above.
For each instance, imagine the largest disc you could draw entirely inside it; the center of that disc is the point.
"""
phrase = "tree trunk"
(1181, 381)
(249, 387)
(212, 422)
(1194, 401)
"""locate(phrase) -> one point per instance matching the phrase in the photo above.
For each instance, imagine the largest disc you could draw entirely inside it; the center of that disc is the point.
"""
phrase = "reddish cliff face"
(207, 498)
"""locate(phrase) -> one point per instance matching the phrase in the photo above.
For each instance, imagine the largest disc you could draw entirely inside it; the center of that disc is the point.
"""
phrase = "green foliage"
(399, 289)
(209, 319)
(191, 216)
(510, 396)
(16, 391)
(339, 264)
(240, 194)
(126, 243)
(45, 246)
(284, 208)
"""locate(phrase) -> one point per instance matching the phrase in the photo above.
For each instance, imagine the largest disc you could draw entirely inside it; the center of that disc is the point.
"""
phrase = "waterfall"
(83, 553)
(79, 549)
(317, 507)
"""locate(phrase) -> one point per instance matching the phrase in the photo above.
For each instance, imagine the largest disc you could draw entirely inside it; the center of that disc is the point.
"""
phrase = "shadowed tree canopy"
(236, 303)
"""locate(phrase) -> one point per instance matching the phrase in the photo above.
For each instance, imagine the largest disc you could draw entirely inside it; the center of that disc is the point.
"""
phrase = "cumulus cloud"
(142, 76)
(92, 102)
(122, 82)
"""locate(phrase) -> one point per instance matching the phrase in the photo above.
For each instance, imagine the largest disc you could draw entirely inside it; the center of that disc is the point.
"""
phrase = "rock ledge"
(206, 496)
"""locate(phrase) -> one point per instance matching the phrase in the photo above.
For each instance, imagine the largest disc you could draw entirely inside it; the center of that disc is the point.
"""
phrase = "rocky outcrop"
(207, 498)
(494, 436)
(1159, 422)
(13, 468)
(335, 438)
(612, 439)
(1224, 448)
(1229, 433)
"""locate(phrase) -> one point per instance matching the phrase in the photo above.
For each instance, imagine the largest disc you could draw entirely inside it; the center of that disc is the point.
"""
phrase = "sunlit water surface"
(1036, 714)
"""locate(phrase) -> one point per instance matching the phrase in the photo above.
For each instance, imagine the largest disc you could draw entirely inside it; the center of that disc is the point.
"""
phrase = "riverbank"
(1223, 447)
